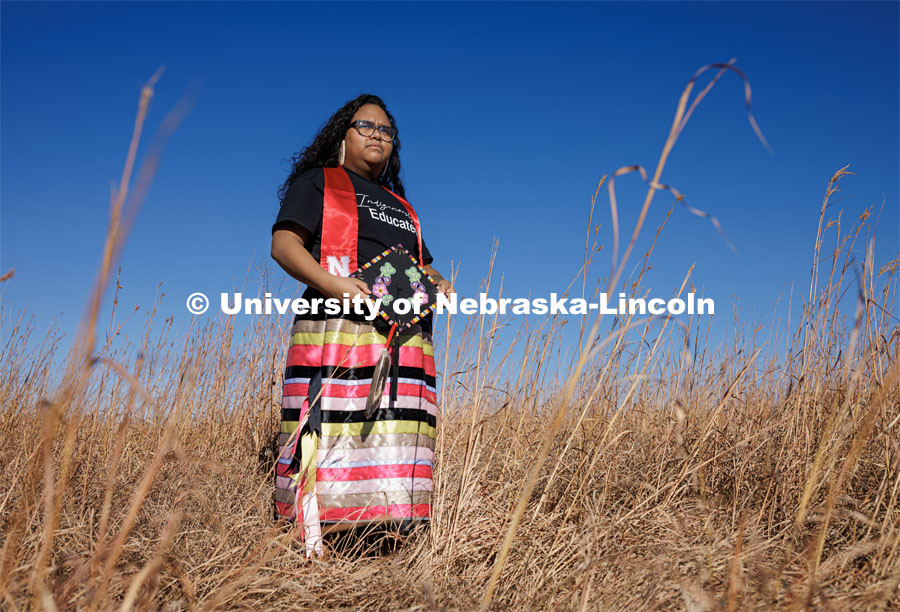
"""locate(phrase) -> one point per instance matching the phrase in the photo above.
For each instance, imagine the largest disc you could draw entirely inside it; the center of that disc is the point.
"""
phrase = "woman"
(342, 205)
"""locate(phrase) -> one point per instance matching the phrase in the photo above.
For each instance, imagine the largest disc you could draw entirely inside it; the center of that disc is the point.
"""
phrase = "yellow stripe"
(335, 337)
(378, 427)
(366, 339)
(309, 445)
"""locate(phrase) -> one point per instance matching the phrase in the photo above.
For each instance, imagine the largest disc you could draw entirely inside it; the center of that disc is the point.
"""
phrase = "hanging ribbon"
(390, 335)
(415, 220)
(340, 224)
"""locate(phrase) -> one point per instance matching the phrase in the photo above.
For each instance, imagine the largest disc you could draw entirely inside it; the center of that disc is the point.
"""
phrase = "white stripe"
(357, 404)
(374, 440)
(293, 402)
(347, 383)
(328, 456)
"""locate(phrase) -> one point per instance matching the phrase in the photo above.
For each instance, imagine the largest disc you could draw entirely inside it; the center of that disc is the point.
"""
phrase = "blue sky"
(509, 115)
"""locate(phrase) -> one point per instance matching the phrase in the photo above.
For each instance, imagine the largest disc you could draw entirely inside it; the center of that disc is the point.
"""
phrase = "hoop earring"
(341, 154)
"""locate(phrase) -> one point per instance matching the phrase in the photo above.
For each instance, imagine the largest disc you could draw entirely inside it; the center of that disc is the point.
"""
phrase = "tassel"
(306, 505)
(379, 376)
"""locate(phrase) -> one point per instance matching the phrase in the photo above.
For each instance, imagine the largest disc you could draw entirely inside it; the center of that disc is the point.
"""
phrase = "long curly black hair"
(323, 151)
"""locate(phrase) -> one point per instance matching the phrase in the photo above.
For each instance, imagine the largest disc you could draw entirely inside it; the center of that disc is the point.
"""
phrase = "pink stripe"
(354, 391)
(297, 389)
(374, 512)
(333, 355)
(350, 356)
(411, 390)
(367, 355)
(304, 355)
(374, 471)
(354, 356)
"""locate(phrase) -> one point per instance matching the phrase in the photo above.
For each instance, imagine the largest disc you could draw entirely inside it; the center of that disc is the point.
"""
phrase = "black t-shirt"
(383, 220)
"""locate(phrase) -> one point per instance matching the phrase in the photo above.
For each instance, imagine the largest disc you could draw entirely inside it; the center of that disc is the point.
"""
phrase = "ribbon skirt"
(335, 467)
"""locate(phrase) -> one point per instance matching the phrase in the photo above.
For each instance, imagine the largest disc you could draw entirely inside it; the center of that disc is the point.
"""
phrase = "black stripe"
(382, 414)
(362, 373)
(358, 416)
(290, 414)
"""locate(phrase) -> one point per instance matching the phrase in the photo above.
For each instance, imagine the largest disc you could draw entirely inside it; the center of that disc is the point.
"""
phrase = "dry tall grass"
(646, 477)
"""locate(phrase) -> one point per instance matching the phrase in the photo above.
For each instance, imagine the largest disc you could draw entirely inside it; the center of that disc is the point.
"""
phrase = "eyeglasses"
(367, 128)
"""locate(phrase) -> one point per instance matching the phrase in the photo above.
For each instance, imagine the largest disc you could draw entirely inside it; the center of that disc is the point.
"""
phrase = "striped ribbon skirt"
(336, 469)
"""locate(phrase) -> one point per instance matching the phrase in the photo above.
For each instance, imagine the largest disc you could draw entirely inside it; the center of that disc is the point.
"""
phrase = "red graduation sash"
(340, 223)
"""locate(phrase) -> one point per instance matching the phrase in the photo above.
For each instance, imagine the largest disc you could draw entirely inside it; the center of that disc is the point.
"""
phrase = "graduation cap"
(407, 295)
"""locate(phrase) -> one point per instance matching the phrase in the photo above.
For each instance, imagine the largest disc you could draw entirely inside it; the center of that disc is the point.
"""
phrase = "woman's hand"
(340, 287)
(443, 285)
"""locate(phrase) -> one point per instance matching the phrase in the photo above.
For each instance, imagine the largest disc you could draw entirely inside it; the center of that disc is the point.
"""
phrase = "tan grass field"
(647, 474)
